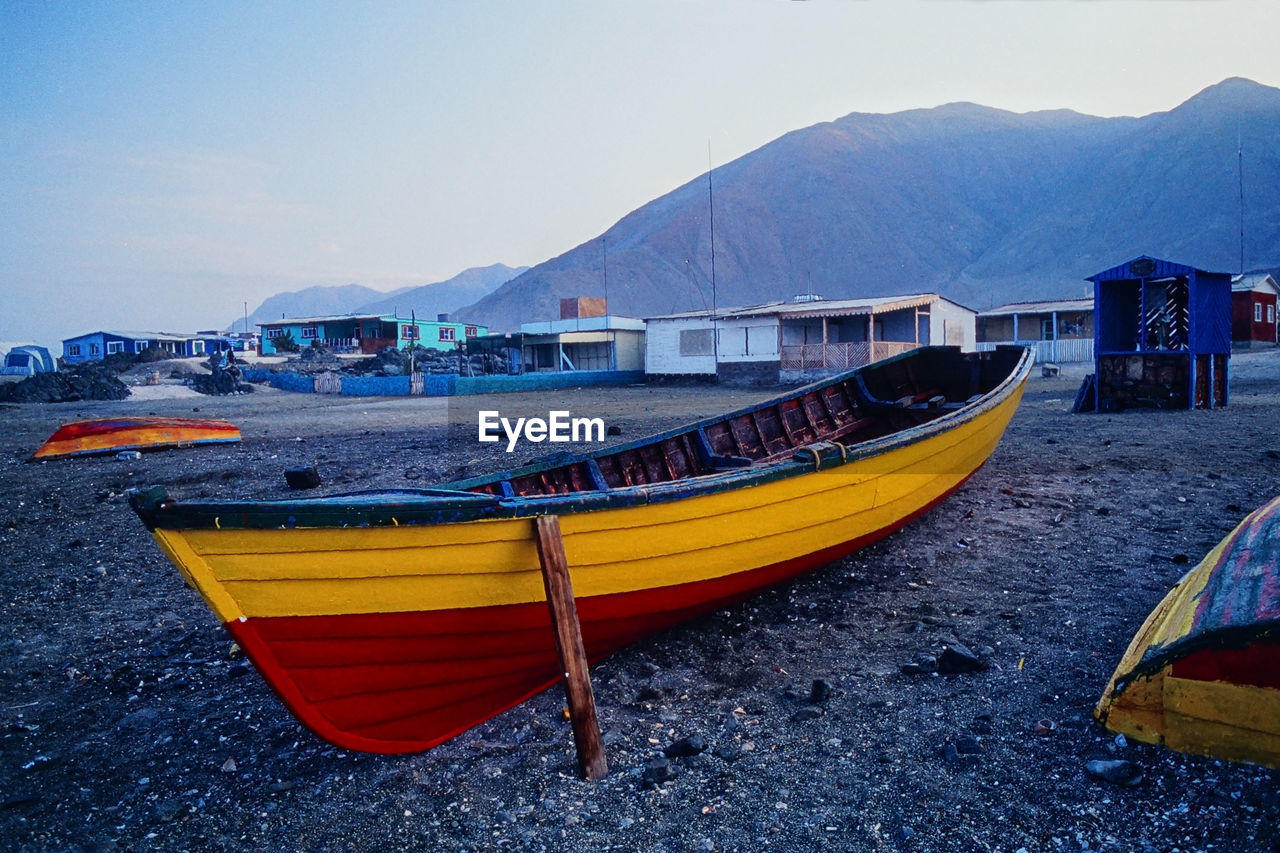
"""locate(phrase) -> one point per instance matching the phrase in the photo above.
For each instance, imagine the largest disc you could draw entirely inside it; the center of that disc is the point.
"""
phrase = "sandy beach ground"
(130, 724)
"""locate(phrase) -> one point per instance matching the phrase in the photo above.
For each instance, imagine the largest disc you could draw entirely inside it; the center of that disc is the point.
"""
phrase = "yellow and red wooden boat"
(111, 435)
(1202, 674)
(392, 621)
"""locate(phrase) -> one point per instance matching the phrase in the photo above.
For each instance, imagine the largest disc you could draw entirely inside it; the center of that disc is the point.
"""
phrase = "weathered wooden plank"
(573, 657)
(1232, 721)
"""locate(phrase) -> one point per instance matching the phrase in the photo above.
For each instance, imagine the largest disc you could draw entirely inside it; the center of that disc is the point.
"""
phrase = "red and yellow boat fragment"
(393, 621)
(111, 435)
(1202, 674)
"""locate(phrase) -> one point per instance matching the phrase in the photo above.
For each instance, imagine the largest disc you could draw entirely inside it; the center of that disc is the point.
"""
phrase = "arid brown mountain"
(981, 205)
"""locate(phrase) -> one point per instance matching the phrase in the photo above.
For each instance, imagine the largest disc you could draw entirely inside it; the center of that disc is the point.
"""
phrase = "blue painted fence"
(448, 384)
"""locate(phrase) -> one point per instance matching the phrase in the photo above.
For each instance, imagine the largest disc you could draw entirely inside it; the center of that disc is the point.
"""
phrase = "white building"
(801, 339)
(583, 343)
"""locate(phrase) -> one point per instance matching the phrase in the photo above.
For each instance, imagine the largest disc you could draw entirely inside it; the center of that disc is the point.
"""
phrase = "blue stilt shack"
(1163, 336)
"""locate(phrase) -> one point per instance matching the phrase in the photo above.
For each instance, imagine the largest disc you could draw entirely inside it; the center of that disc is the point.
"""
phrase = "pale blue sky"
(164, 162)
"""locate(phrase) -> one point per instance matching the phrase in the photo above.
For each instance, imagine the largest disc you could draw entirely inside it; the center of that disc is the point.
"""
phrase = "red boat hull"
(405, 682)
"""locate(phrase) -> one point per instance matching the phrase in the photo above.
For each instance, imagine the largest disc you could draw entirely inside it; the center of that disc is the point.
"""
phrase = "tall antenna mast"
(1240, 175)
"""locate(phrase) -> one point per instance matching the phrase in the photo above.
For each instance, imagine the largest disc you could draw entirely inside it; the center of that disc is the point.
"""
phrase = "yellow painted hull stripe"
(250, 573)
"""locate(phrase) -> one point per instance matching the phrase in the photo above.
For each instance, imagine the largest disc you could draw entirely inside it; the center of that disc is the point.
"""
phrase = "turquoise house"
(368, 333)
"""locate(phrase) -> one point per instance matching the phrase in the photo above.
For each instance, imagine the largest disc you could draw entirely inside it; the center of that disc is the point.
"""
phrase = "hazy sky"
(164, 162)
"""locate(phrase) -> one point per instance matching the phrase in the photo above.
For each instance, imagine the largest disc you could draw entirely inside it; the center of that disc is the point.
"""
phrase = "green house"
(368, 333)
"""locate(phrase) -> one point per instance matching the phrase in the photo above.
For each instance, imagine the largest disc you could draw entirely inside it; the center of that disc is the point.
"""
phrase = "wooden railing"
(840, 356)
(1064, 350)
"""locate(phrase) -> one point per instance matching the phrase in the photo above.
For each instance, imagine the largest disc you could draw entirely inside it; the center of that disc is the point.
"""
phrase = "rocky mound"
(84, 383)
(224, 377)
(396, 362)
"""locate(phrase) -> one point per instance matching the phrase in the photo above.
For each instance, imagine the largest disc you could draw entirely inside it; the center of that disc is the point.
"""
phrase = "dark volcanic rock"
(1127, 774)
(86, 383)
(691, 745)
(956, 658)
(658, 771)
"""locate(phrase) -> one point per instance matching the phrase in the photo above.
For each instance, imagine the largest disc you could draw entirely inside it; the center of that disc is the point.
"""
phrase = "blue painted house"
(98, 345)
(368, 333)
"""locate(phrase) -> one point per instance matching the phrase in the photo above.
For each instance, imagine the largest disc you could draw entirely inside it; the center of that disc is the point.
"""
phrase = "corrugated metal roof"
(1039, 307)
(145, 336)
(347, 318)
(818, 308)
(1145, 266)
(294, 321)
(1254, 281)
(610, 323)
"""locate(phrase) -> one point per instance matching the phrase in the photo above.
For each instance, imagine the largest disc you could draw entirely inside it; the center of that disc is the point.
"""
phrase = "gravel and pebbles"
(931, 693)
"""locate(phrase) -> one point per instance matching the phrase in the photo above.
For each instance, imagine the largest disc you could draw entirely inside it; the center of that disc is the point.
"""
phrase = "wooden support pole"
(824, 341)
(573, 657)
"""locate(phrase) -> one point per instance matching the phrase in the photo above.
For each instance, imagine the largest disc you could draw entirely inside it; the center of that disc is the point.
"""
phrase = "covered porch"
(842, 337)
(1058, 331)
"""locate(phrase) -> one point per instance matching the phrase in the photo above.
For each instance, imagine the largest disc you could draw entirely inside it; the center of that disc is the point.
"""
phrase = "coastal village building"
(94, 346)
(368, 333)
(1254, 310)
(804, 338)
(584, 338)
(1163, 337)
(1060, 331)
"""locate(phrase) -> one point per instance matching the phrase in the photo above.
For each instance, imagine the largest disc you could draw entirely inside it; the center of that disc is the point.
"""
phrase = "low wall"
(540, 381)
(748, 373)
(375, 386)
(449, 384)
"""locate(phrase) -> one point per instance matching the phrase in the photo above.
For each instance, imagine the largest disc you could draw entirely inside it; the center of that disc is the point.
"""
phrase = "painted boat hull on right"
(1202, 674)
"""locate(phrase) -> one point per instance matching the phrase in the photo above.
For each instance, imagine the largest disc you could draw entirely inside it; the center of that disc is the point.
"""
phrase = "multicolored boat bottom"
(112, 435)
(1202, 674)
(393, 621)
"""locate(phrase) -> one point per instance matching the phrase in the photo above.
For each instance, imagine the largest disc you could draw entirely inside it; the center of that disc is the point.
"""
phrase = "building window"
(73, 349)
(274, 333)
(763, 342)
(310, 332)
(197, 347)
(1257, 312)
(1271, 313)
(94, 349)
(697, 342)
(139, 346)
(409, 333)
(470, 331)
(114, 347)
(448, 333)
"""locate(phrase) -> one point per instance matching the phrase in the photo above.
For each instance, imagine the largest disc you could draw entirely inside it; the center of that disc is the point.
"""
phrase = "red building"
(1255, 303)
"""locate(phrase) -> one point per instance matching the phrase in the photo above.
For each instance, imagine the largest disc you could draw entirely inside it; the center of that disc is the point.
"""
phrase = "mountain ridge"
(425, 301)
(982, 205)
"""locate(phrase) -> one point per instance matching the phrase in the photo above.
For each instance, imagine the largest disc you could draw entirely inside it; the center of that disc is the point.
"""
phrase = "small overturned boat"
(1202, 674)
(112, 435)
(392, 621)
